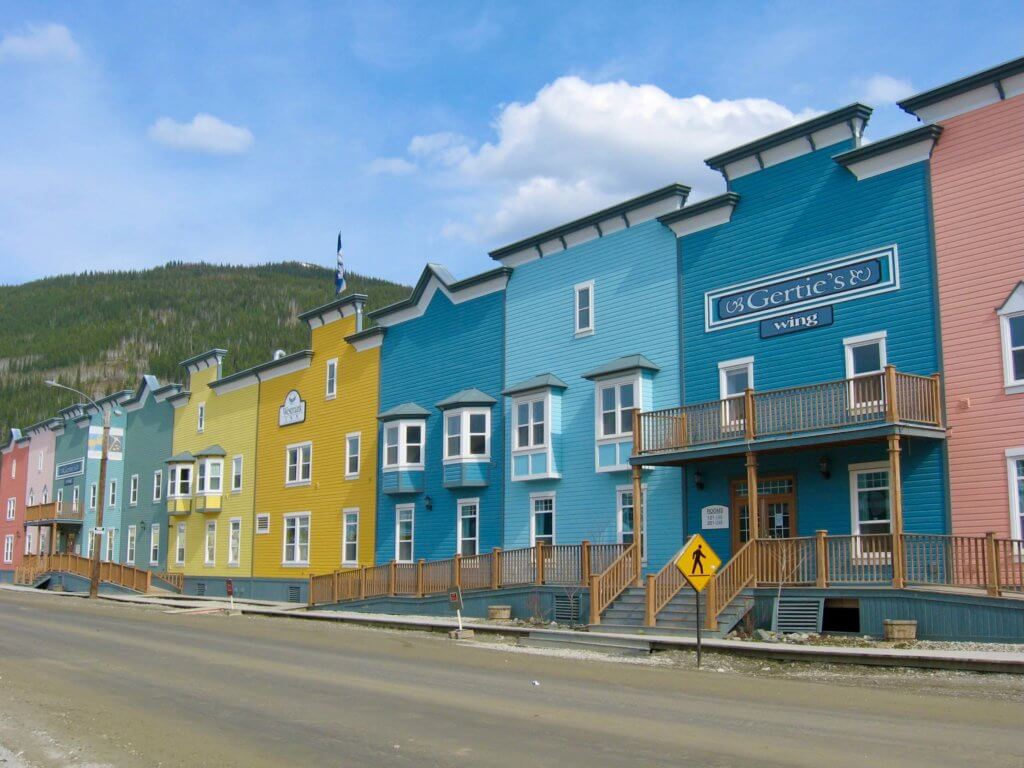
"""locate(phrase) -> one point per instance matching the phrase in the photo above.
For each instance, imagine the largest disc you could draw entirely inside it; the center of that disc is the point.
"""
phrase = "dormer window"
(467, 434)
(403, 444)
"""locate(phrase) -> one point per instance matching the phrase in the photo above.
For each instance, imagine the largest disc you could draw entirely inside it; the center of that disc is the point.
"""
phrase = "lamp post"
(97, 540)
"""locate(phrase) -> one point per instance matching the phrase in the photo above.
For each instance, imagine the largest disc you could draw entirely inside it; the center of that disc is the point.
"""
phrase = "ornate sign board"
(70, 469)
(293, 411)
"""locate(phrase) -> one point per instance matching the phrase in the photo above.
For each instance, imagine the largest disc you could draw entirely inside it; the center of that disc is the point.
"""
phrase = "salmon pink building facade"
(13, 471)
(977, 185)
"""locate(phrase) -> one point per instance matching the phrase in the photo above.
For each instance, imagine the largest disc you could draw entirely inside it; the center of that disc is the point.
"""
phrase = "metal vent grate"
(567, 609)
(293, 594)
(797, 614)
(201, 589)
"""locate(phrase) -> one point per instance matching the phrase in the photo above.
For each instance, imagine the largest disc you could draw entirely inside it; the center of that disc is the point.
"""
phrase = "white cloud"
(390, 166)
(885, 89)
(579, 146)
(205, 133)
(46, 42)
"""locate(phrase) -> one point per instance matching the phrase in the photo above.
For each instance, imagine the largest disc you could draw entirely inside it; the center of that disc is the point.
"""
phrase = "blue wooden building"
(442, 445)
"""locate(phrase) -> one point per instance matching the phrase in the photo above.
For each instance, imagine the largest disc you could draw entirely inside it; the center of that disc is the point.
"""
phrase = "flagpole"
(339, 275)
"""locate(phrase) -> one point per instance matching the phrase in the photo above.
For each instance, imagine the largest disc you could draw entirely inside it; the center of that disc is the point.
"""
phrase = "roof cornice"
(937, 103)
(435, 275)
(345, 306)
(894, 152)
(703, 215)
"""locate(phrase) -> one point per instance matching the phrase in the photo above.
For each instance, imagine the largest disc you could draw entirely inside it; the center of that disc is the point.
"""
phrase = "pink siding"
(13, 487)
(40, 483)
(978, 196)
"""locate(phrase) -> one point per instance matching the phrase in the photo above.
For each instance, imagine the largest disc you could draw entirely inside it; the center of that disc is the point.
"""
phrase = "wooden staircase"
(679, 616)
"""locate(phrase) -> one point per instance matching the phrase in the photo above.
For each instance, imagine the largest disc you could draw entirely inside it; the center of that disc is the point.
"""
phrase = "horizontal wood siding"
(13, 487)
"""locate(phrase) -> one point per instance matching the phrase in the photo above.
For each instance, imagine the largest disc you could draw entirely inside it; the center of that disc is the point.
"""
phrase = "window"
(236, 473)
(179, 545)
(154, 545)
(404, 515)
(626, 515)
(9, 548)
(735, 377)
(234, 540)
(60, 499)
(403, 445)
(530, 426)
(865, 362)
(89, 544)
(210, 550)
(263, 523)
(869, 499)
(1015, 469)
(543, 524)
(30, 539)
(74, 499)
(353, 442)
(584, 314)
(133, 491)
(467, 434)
(93, 498)
(108, 556)
(350, 537)
(180, 483)
(158, 485)
(1012, 332)
(31, 500)
(46, 495)
(112, 496)
(296, 539)
(332, 378)
(201, 418)
(129, 557)
(14, 468)
(299, 459)
(12, 504)
(469, 516)
(209, 478)
(39, 462)
(615, 401)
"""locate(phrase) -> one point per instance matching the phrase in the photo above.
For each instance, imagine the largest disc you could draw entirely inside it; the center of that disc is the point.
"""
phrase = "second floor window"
(299, 464)
(616, 401)
(467, 434)
(158, 485)
(93, 497)
(180, 483)
(201, 418)
(11, 506)
(352, 446)
(209, 479)
(236, 473)
(113, 493)
(530, 426)
(403, 444)
(133, 491)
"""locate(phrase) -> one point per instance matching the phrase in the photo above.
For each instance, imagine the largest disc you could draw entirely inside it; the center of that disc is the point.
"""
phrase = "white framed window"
(469, 527)
(154, 544)
(350, 537)
(626, 515)
(12, 505)
(467, 434)
(1012, 337)
(865, 359)
(129, 556)
(39, 462)
(60, 499)
(210, 549)
(236, 474)
(870, 499)
(583, 305)
(353, 444)
(31, 500)
(403, 444)
(112, 496)
(179, 545)
(405, 515)
(210, 477)
(89, 544)
(614, 402)
(234, 541)
(529, 422)
(9, 548)
(93, 496)
(298, 464)
(296, 539)
(201, 417)
(1015, 474)
(158, 485)
(262, 523)
(133, 491)
(46, 495)
(735, 377)
(542, 518)
(74, 498)
(108, 555)
(331, 386)
(179, 484)
(30, 540)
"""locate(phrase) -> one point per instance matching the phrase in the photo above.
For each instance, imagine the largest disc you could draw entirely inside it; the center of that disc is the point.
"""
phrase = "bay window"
(467, 434)
(403, 444)
(209, 476)
(615, 401)
(180, 481)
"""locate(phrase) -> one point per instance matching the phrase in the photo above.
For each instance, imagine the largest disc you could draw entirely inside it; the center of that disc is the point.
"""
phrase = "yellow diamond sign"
(698, 562)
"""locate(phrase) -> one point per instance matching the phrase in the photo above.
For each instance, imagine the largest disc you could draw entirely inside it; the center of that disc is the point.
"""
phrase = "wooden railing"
(113, 573)
(735, 576)
(566, 565)
(53, 511)
(887, 397)
(661, 587)
(176, 580)
(605, 587)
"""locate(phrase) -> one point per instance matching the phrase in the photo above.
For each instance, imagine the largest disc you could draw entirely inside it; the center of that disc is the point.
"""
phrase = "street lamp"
(97, 542)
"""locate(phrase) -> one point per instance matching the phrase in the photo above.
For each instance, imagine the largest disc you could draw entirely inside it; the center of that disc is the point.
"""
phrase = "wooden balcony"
(887, 398)
(53, 512)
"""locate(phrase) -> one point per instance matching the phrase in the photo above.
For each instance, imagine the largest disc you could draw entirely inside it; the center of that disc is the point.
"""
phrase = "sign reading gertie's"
(831, 282)
(293, 411)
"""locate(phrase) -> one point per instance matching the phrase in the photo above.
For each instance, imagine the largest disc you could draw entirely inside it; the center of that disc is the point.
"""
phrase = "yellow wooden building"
(316, 458)
(209, 482)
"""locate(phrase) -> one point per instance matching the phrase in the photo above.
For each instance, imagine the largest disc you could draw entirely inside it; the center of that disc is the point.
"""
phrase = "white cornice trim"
(434, 284)
(899, 157)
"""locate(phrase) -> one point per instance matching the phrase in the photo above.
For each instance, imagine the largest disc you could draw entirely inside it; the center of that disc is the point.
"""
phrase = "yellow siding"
(328, 421)
(230, 422)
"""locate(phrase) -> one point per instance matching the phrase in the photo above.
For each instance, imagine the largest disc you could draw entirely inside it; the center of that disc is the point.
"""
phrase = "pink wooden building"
(13, 474)
(977, 182)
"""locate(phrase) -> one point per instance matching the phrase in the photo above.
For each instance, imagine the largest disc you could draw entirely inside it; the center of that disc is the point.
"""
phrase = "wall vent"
(567, 609)
(201, 589)
(797, 614)
(293, 594)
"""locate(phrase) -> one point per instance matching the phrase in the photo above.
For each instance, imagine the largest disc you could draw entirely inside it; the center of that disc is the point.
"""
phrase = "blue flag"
(339, 277)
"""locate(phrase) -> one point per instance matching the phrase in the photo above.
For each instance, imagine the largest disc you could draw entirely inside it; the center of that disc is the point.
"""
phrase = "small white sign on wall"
(293, 411)
(714, 516)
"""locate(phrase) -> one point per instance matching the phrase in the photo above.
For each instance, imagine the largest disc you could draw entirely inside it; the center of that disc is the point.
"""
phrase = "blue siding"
(449, 348)
(635, 312)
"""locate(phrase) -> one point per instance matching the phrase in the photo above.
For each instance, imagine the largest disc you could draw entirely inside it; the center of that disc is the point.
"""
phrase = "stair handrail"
(606, 586)
(661, 587)
(726, 585)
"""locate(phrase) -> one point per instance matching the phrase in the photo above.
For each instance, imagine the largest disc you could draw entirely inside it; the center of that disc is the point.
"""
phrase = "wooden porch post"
(892, 409)
(496, 568)
(538, 569)
(649, 617)
(896, 495)
(992, 565)
(585, 563)
(392, 572)
(419, 578)
(753, 513)
(638, 522)
(821, 552)
(457, 568)
(53, 539)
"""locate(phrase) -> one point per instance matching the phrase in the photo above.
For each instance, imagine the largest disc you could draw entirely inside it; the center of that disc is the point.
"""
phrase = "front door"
(777, 499)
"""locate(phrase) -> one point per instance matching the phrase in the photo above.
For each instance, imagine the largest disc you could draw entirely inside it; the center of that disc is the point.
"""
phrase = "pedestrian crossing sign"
(698, 562)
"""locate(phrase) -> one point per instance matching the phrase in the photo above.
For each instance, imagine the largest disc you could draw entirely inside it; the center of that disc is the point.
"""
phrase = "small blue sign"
(798, 321)
(71, 468)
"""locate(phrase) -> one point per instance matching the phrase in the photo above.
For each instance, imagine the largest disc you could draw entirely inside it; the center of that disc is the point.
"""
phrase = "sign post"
(455, 601)
(230, 586)
(698, 564)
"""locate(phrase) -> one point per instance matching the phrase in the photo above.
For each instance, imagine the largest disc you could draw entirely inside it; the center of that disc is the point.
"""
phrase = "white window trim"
(331, 383)
(173, 480)
(180, 539)
(206, 475)
(399, 508)
(458, 523)
(619, 490)
(131, 544)
(284, 540)
(402, 425)
(110, 546)
(1012, 456)
(579, 331)
(154, 543)
(729, 365)
(201, 418)
(133, 491)
(464, 415)
(74, 498)
(599, 440)
(531, 397)
(93, 496)
(865, 338)
(554, 510)
(232, 522)
(112, 494)
(206, 544)
(12, 506)
(240, 474)
(344, 529)
(854, 470)
(9, 548)
(158, 485)
(299, 481)
(1011, 385)
(358, 456)
(263, 516)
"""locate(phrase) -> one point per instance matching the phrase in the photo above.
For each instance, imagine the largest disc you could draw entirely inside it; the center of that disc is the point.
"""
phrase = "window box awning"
(404, 411)
(465, 398)
(181, 458)
(543, 381)
(621, 365)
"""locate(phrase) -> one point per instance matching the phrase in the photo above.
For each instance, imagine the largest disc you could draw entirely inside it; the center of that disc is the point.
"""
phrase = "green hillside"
(100, 331)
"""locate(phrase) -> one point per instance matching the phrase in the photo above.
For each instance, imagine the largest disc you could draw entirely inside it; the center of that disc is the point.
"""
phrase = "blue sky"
(137, 133)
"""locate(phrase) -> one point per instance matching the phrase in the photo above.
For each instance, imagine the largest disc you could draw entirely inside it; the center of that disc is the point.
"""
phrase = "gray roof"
(876, 148)
(992, 75)
(404, 411)
(470, 396)
(627, 363)
(213, 450)
(181, 458)
(544, 380)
